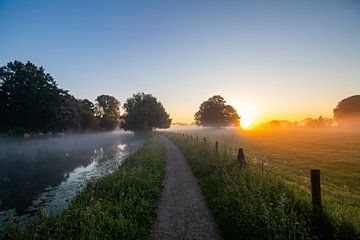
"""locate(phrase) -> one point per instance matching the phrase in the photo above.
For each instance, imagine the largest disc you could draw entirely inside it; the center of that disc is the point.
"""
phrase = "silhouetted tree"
(108, 111)
(275, 124)
(30, 101)
(317, 122)
(87, 115)
(78, 114)
(347, 112)
(144, 113)
(29, 98)
(215, 113)
(70, 114)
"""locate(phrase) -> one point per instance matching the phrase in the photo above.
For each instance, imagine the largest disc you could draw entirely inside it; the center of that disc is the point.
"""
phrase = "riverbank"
(249, 203)
(118, 206)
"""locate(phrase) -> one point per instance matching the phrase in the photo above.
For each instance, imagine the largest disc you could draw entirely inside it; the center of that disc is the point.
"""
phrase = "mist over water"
(47, 173)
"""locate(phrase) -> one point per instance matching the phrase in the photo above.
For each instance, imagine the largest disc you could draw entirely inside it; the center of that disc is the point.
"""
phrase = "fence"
(314, 175)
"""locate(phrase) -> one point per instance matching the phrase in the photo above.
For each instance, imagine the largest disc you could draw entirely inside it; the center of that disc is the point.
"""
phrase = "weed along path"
(182, 212)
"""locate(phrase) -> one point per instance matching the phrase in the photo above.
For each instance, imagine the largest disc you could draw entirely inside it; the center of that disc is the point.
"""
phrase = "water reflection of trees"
(25, 174)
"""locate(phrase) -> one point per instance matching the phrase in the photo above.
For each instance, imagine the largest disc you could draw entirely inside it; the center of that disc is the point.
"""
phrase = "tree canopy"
(347, 112)
(216, 113)
(29, 97)
(31, 101)
(108, 110)
(144, 113)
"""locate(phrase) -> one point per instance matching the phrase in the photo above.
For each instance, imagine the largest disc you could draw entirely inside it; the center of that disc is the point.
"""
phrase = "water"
(48, 173)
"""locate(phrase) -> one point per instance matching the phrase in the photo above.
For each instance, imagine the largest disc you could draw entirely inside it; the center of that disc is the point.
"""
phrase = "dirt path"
(182, 212)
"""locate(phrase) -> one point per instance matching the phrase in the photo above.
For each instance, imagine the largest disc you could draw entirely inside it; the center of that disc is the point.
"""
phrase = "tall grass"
(291, 153)
(248, 202)
(119, 206)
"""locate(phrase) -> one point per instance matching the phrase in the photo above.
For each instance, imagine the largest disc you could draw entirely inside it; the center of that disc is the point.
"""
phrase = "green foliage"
(291, 153)
(250, 203)
(119, 206)
(108, 111)
(144, 113)
(215, 113)
(29, 98)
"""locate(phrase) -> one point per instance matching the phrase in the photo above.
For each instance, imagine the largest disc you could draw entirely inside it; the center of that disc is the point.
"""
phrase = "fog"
(61, 144)
(48, 172)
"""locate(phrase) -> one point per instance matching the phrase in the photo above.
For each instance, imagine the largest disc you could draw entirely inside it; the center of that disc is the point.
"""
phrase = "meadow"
(289, 154)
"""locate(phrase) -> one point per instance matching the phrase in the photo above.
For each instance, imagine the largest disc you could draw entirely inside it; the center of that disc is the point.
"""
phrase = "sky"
(269, 59)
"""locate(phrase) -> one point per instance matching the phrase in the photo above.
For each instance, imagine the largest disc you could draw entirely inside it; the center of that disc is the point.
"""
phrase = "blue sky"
(270, 59)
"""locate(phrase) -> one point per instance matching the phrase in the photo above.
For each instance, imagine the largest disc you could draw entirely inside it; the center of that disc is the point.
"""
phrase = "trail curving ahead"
(182, 212)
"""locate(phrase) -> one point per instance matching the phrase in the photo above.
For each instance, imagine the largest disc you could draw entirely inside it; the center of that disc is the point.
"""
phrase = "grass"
(249, 203)
(118, 206)
(291, 153)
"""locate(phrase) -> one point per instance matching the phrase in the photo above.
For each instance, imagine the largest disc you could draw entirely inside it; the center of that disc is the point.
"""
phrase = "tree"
(215, 113)
(144, 113)
(78, 114)
(108, 111)
(29, 98)
(70, 113)
(347, 112)
(87, 115)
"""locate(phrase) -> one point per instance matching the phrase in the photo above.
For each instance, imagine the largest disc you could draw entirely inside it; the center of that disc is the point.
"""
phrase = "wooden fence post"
(241, 156)
(316, 190)
(216, 147)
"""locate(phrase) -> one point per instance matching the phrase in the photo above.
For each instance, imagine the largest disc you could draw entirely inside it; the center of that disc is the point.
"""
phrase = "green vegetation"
(118, 206)
(216, 113)
(144, 113)
(251, 203)
(32, 102)
(291, 153)
(108, 112)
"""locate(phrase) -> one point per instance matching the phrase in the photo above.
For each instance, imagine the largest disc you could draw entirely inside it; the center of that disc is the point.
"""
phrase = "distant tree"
(215, 113)
(317, 122)
(275, 124)
(88, 119)
(144, 113)
(347, 112)
(29, 98)
(78, 114)
(69, 113)
(108, 112)
(87, 106)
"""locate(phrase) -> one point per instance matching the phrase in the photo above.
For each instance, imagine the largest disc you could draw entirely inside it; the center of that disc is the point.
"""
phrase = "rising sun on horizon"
(246, 121)
(247, 114)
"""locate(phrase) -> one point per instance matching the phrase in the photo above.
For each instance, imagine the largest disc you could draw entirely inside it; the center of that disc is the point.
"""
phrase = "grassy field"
(119, 206)
(289, 155)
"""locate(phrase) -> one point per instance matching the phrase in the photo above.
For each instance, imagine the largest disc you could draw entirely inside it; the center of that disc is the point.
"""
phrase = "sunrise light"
(247, 115)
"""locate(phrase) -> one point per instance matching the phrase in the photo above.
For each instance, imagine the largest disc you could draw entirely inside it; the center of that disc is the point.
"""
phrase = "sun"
(246, 121)
(247, 115)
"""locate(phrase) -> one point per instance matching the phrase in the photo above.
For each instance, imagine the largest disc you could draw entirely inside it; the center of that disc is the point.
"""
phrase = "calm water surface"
(47, 173)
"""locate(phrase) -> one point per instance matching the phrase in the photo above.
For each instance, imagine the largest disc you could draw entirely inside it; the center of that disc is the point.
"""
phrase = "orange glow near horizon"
(253, 115)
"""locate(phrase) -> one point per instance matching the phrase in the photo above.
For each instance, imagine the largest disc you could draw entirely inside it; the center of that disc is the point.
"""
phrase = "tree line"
(346, 114)
(214, 112)
(31, 101)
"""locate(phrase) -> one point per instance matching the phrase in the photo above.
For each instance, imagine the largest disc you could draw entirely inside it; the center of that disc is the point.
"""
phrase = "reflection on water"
(48, 173)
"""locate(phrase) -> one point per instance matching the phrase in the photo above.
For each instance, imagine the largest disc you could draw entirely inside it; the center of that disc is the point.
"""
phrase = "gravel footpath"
(182, 212)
